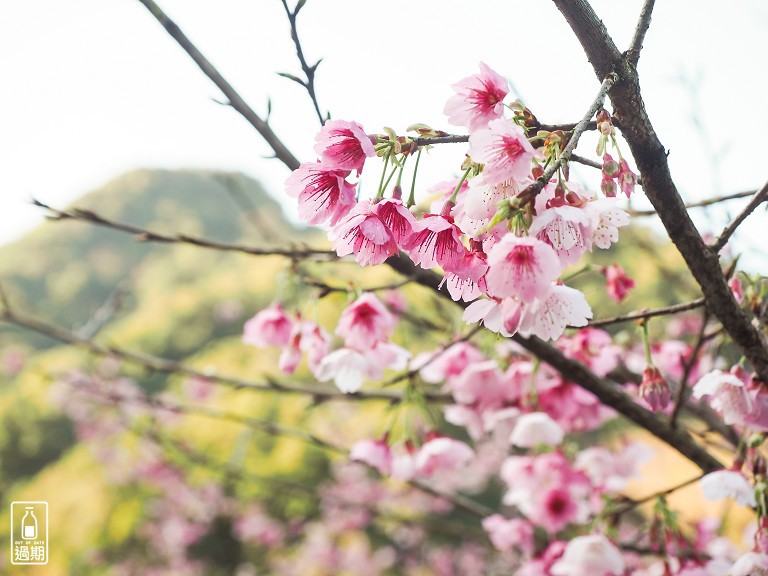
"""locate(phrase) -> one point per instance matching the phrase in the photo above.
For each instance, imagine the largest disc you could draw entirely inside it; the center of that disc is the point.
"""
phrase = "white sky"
(94, 88)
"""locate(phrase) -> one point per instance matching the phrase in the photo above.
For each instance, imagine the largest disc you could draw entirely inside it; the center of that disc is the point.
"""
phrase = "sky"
(95, 88)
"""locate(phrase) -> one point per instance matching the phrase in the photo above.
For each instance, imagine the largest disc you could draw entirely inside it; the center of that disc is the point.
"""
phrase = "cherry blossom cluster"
(502, 231)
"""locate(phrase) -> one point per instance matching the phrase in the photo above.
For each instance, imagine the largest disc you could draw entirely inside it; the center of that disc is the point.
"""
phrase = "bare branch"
(633, 53)
(235, 100)
(104, 313)
(665, 311)
(309, 71)
(700, 204)
(145, 235)
(165, 366)
(759, 198)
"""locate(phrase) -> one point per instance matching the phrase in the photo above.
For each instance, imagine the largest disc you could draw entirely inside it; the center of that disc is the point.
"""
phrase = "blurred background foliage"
(189, 304)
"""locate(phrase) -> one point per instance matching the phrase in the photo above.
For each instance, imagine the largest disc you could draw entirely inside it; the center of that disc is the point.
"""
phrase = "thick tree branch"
(651, 159)
(726, 234)
(576, 372)
(235, 100)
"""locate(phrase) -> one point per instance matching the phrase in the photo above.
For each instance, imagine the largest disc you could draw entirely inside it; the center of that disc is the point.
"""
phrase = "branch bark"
(235, 100)
(651, 159)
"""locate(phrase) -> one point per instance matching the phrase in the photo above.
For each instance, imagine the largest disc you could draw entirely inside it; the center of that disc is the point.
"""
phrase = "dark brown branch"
(145, 235)
(633, 53)
(576, 372)
(162, 365)
(666, 310)
(309, 71)
(651, 159)
(759, 198)
(235, 100)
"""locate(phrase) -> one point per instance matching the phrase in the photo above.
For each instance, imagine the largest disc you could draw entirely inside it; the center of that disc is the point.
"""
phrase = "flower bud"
(654, 389)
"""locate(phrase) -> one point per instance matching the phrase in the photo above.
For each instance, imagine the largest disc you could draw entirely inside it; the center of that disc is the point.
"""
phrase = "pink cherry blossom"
(607, 218)
(442, 454)
(343, 145)
(594, 348)
(733, 399)
(323, 192)
(728, 484)
(548, 316)
(617, 282)
(478, 99)
(593, 554)
(487, 312)
(269, 327)
(504, 150)
(558, 508)
(363, 233)
(568, 229)
(534, 429)
(436, 241)
(506, 534)
(521, 267)
(315, 343)
(468, 282)
(480, 385)
(374, 453)
(397, 218)
(349, 368)
(436, 367)
(365, 322)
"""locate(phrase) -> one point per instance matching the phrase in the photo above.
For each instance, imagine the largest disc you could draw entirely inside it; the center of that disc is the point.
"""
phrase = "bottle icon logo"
(29, 533)
(29, 524)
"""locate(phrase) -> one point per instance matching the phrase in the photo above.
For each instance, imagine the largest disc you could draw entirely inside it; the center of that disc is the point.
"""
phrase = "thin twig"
(309, 71)
(633, 53)
(145, 235)
(235, 100)
(105, 312)
(699, 204)
(688, 367)
(666, 310)
(722, 240)
(166, 366)
(533, 190)
(630, 503)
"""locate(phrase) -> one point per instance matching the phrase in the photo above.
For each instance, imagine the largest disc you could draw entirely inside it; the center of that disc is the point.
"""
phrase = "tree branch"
(145, 235)
(759, 198)
(700, 204)
(162, 365)
(633, 53)
(575, 372)
(309, 71)
(651, 160)
(666, 310)
(235, 100)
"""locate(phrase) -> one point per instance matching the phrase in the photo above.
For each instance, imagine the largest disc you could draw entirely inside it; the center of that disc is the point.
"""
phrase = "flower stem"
(411, 197)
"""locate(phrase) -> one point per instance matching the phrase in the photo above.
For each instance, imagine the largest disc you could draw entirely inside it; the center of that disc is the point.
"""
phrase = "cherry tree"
(495, 469)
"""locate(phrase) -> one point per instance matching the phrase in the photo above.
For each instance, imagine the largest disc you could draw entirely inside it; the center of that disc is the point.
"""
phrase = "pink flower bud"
(654, 389)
